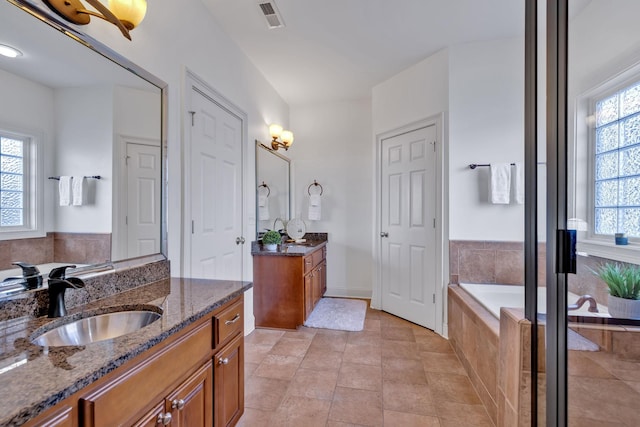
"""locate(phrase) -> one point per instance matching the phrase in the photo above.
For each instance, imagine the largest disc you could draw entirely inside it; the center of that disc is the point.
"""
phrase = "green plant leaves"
(623, 280)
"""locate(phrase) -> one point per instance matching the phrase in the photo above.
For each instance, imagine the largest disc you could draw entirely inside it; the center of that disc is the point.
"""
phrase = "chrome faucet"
(58, 284)
(593, 306)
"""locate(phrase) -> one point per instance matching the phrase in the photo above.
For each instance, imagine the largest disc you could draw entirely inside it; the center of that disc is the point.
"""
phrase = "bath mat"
(338, 313)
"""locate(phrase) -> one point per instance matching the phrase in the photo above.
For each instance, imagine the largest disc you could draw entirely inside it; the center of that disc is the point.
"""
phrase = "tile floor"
(393, 373)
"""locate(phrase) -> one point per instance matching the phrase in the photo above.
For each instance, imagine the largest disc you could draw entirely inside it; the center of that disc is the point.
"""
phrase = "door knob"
(384, 234)
(240, 240)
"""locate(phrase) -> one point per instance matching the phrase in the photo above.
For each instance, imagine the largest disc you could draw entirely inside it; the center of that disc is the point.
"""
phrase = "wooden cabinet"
(286, 288)
(228, 376)
(194, 378)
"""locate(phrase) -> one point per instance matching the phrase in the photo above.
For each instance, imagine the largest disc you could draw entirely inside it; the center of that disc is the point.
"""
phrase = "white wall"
(486, 125)
(414, 94)
(179, 35)
(333, 146)
(84, 130)
(27, 107)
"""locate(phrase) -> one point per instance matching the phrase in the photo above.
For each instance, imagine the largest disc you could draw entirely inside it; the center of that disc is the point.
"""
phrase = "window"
(13, 173)
(617, 163)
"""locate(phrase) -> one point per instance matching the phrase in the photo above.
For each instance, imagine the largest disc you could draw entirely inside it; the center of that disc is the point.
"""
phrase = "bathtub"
(493, 296)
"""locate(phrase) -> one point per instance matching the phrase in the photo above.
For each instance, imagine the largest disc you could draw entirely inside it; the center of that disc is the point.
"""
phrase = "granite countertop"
(34, 378)
(288, 249)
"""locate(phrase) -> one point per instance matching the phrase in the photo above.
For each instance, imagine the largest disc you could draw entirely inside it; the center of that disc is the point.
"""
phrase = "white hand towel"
(519, 183)
(64, 190)
(315, 207)
(263, 208)
(77, 190)
(500, 184)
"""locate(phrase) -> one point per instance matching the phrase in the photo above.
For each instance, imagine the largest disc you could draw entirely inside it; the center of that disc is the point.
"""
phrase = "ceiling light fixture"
(8, 51)
(286, 137)
(124, 14)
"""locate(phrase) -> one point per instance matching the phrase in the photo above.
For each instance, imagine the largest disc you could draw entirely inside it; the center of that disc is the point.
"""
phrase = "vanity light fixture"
(9, 52)
(124, 14)
(286, 137)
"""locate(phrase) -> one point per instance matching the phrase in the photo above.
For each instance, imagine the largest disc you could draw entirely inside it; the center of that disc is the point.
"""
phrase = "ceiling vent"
(272, 15)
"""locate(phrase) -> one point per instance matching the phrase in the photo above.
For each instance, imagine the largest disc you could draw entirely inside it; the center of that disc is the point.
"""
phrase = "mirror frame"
(261, 146)
(49, 18)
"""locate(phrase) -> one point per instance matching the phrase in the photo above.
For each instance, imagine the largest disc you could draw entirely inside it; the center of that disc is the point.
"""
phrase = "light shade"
(287, 137)
(9, 51)
(275, 131)
(130, 12)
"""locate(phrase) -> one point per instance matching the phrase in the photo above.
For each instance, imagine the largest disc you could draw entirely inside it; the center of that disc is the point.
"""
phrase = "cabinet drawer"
(228, 323)
(318, 256)
(308, 263)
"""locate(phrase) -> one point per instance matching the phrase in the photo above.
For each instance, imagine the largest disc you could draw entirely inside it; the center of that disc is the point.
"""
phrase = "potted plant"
(271, 239)
(623, 281)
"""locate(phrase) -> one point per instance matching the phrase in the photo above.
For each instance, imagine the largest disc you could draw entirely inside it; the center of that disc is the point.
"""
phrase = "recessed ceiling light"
(9, 51)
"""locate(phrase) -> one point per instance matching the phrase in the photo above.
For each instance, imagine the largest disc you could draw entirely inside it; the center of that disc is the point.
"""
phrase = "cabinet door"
(191, 404)
(323, 278)
(155, 417)
(308, 295)
(228, 378)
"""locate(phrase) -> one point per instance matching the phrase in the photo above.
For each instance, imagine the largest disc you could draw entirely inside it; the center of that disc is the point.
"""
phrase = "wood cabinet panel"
(153, 417)
(228, 379)
(62, 416)
(121, 401)
(286, 288)
(229, 322)
(190, 405)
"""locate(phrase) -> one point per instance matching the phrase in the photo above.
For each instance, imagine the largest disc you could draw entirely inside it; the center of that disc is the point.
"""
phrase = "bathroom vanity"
(289, 282)
(187, 368)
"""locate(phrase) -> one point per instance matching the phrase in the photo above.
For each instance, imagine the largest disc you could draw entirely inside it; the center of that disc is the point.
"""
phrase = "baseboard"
(348, 293)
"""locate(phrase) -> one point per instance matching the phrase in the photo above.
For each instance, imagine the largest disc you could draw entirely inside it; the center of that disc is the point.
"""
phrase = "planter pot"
(271, 247)
(624, 308)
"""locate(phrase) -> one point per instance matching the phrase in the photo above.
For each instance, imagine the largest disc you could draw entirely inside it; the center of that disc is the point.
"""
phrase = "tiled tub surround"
(474, 334)
(38, 380)
(503, 263)
(97, 286)
(80, 248)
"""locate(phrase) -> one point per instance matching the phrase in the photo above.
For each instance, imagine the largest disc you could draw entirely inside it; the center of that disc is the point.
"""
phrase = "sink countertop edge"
(127, 347)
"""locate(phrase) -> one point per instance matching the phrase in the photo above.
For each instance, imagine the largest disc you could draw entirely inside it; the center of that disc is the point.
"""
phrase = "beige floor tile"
(360, 407)
(291, 347)
(296, 411)
(359, 376)
(264, 336)
(459, 414)
(280, 367)
(406, 371)
(442, 362)
(310, 383)
(453, 388)
(264, 393)
(395, 333)
(403, 419)
(328, 342)
(362, 353)
(255, 418)
(401, 350)
(322, 360)
(393, 373)
(413, 398)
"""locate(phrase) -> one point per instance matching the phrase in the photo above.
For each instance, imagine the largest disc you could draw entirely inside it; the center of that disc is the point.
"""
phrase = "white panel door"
(215, 193)
(408, 233)
(143, 199)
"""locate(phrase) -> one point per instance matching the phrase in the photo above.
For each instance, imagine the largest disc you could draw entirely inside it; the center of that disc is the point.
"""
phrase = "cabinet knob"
(224, 361)
(164, 419)
(177, 404)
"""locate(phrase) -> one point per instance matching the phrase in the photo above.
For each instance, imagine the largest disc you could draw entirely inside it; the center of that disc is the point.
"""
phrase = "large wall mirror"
(273, 189)
(71, 107)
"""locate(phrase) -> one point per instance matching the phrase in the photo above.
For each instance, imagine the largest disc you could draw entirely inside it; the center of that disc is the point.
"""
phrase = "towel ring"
(265, 186)
(315, 183)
